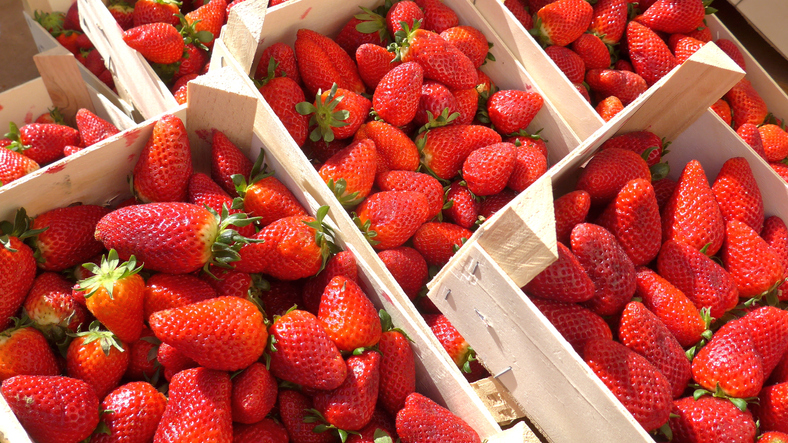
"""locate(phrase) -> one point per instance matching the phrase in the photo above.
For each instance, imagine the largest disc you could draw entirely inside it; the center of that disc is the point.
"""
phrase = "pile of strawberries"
(48, 139)
(171, 290)
(688, 276)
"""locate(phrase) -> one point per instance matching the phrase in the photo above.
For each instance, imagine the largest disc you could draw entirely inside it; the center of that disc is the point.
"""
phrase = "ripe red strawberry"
(702, 33)
(380, 425)
(267, 197)
(305, 354)
(437, 16)
(17, 268)
(224, 333)
(746, 104)
(518, 8)
(294, 408)
(200, 399)
(673, 16)
(320, 151)
(562, 22)
(775, 142)
(98, 358)
(609, 20)
(633, 217)
(436, 103)
(133, 412)
(732, 51)
(350, 173)
(731, 362)
(180, 88)
(396, 98)
(142, 358)
(156, 11)
(780, 373)
(710, 419)
(609, 108)
(173, 361)
(625, 85)
(14, 165)
(683, 47)
(638, 142)
(441, 60)
(348, 316)
(692, 215)
(351, 405)
(487, 170)
(341, 264)
(393, 215)
(607, 265)
(25, 351)
(563, 281)
(51, 307)
(69, 41)
(417, 182)
(768, 327)
(567, 60)
(570, 210)
(209, 17)
(407, 267)
(737, 194)
(470, 41)
(265, 431)
(192, 234)
(775, 234)
(781, 169)
(92, 128)
(226, 161)
(463, 205)
(322, 62)
(254, 394)
(593, 51)
(157, 42)
(350, 38)
(455, 345)
(650, 55)
(397, 370)
(721, 108)
(511, 111)
(608, 171)
(445, 149)
(191, 62)
(284, 57)
(752, 136)
(282, 297)
(437, 242)
(205, 192)
(643, 332)
(772, 409)
(395, 149)
(68, 241)
(575, 323)
(773, 437)
(165, 291)
(403, 11)
(422, 420)
(42, 143)
(336, 113)
(374, 62)
(165, 165)
(40, 402)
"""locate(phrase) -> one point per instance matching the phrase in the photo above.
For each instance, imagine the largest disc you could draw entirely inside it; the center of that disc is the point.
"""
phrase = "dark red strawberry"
(571, 64)
(518, 8)
(710, 419)
(294, 408)
(226, 161)
(422, 420)
(575, 323)
(437, 242)
(408, 268)
(570, 210)
(351, 405)
(199, 399)
(732, 51)
(650, 55)
(254, 394)
(563, 281)
(750, 134)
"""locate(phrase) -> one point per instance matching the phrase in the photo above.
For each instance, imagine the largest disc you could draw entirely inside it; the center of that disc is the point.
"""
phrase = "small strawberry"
(142, 358)
(609, 108)
(321, 63)
(463, 205)
(320, 151)
(593, 51)
(394, 216)
(673, 16)
(132, 413)
(683, 47)
(446, 148)
(564, 280)
(25, 351)
(42, 143)
(348, 316)
(732, 51)
(68, 236)
(775, 142)
(199, 399)
(470, 41)
(781, 169)
(710, 419)
(567, 60)
(561, 22)
(609, 20)
(437, 242)
(17, 267)
(254, 394)
(403, 11)
(436, 101)
(512, 111)
(570, 210)
(723, 109)
(437, 16)
(51, 307)
(342, 264)
(408, 268)
(397, 368)
(164, 167)
(166, 291)
(381, 425)
(752, 136)
(737, 194)
(294, 408)
(351, 405)
(494, 203)
(487, 170)
(775, 234)
(265, 197)
(284, 59)
(650, 55)
(638, 142)
(98, 358)
(350, 173)
(633, 217)
(625, 85)
(92, 128)
(209, 17)
(609, 171)
(374, 62)
(575, 323)
(229, 282)
(157, 42)
(396, 98)
(772, 408)
(746, 104)
(156, 11)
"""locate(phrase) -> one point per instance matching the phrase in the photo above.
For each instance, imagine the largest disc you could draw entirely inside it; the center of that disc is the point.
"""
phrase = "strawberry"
(437, 242)
(403, 11)
(200, 400)
(752, 136)
(342, 264)
(436, 103)
(142, 358)
(494, 203)
(593, 51)
(157, 42)
(194, 235)
(746, 104)
(92, 128)
(173, 361)
(737, 194)
(692, 215)
(192, 61)
(284, 59)
(350, 38)
(775, 142)
(51, 307)
(293, 408)
(638, 142)
(437, 16)
(568, 61)
(350, 173)
(730, 363)
(732, 51)
(609, 20)
(441, 60)
(42, 143)
(68, 238)
(254, 394)
(25, 351)
(205, 192)
(374, 62)
(775, 234)
(408, 268)
(98, 358)
(702, 33)
(397, 369)
(162, 172)
(663, 188)
(455, 345)
(463, 205)
(575, 323)
(320, 151)
(53, 408)
(683, 47)
(229, 282)
(487, 170)
(511, 111)
(625, 85)
(53, 116)
(609, 108)
(156, 11)
(304, 354)
(773, 437)
(17, 267)
(348, 316)
(772, 409)
(422, 420)
(68, 39)
(223, 333)
(609, 171)
(781, 169)
(396, 98)
(265, 431)
(650, 55)
(321, 63)
(564, 280)
(380, 425)
(337, 113)
(445, 149)
(673, 16)
(780, 373)
(561, 22)
(266, 197)
(133, 412)
(180, 88)
(518, 8)
(768, 327)
(643, 332)
(470, 41)
(351, 405)
(395, 149)
(671, 306)
(417, 182)
(394, 216)
(633, 217)
(282, 297)
(14, 165)
(209, 17)
(710, 419)
(570, 210)
(165, 291)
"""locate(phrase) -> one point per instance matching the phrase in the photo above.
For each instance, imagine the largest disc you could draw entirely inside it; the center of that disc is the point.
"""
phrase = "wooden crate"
(222, 101)
(767, 17)
(44, 42)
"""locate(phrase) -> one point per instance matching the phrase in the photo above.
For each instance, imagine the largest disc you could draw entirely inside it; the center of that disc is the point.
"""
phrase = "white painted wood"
(768, 18)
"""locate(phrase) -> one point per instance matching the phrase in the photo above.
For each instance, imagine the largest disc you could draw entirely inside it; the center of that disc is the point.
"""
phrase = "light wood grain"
(11, 430)
(60, 72)
(243, 34)
(768, 18)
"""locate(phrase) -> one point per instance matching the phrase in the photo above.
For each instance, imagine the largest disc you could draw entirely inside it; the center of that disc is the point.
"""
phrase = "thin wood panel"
(768, 18)
(60, 72)
(243, 34)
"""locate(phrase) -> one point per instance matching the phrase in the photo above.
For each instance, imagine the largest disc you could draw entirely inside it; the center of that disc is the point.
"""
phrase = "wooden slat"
(499, 400)
(243, 34)
(11, 430)
(768, 18)
(60, 72)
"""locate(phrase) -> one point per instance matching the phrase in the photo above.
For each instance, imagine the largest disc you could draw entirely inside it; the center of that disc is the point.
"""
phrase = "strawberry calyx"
(442, 119)
(314, 416)
(259, 171)
(192, 36)
(658, 170)
(523, 133)
(51, 21)
(107, 340)
(21, 322)
(707, 6)
(13, 134)
(19, 229)
(107, 274)
(381, 436)
(706, 335)
(324, 117)
(403, 40)
(339, 188)
(324, 236)
(539, 33)
(272, 65)
(740, 403)
(374, 21)
(366, 229)
(225, 249)
(56, 115)
(387, 325)
(772, 120)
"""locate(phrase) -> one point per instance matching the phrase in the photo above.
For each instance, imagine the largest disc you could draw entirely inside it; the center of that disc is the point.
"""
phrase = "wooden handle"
(67, 89)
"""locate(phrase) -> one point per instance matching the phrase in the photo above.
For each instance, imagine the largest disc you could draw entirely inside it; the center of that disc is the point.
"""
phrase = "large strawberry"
(754, 266)
(68, 236)
(561, 22)
(132, 413)
(198, 408)
(254, 394)
(350, 173)
(53, 408)
(575, 323)
(609, 20)
(348, 316)
(424, 421)
(768, 327)
(775, 142)
(609, 171)
(395, 149)
(322, 62)
(633, 217)
(396, 97)
(564, 281)
(341, 264)
(487, 170)
(157, 42)
(351, 405)
(746, 104)
(445, 149)
(98, 358)
(650, 55)
(393, 216)
(224, 333)
(25, 351)
(210, 17)
(43, 143)
(165, 291)
(625, 85)
(17, 268)
(165, 165)
(397, 367)
(709, 419)
(673, 16)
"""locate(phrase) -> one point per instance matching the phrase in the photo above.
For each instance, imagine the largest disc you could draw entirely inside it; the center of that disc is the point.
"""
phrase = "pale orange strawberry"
(397, 151)
(723, 109)
(775, 142)
(609, 108)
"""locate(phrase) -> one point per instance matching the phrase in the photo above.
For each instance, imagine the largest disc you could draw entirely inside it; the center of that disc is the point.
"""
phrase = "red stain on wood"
(303, 16)
(205, 135)
(29, 117)
(1, 107)
(54, 169)
(131, 157)
(131, 137)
